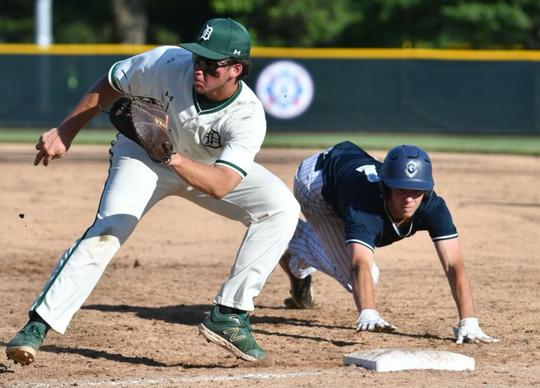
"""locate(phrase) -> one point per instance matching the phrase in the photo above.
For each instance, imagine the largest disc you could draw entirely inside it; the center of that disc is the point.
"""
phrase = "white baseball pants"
(261, 201)
(319, 243)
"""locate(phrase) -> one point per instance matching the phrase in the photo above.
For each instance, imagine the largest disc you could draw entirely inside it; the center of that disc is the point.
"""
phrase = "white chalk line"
(172, 380)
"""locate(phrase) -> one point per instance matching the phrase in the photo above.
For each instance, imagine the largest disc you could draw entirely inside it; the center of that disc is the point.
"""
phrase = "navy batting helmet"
(407, 167)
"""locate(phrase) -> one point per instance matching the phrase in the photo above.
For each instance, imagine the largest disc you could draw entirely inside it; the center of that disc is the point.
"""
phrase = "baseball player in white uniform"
(217, 125)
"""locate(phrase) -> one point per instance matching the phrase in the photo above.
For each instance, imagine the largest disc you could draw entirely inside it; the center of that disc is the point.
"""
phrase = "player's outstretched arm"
(55, 142)
(363, 292)
(468, 329)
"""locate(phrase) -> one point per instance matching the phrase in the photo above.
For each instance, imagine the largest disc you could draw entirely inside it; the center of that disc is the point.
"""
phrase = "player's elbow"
(218, 194)
(224, 182)
(220, 191)
(358, 264)
(453, 265)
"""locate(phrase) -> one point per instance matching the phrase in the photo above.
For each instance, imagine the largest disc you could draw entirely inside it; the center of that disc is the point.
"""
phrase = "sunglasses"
(209, 66)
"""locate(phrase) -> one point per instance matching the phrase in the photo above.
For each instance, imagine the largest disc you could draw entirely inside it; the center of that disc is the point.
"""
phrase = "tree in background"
(17, 21)
(289, 23)
(494, 23)
(300, 23)
(130, 20)
(390, 23)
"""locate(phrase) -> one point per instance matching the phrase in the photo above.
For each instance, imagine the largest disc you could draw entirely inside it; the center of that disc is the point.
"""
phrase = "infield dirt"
(139, 326)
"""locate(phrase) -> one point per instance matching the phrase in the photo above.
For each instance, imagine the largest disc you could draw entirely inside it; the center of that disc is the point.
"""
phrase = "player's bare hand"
(370, 320)
(469, 330)
(50, 146)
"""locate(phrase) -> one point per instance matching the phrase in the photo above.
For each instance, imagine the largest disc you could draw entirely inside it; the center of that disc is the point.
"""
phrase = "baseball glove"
(143, 120)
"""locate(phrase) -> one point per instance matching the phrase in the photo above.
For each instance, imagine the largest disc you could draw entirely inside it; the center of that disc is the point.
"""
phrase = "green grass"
(32, 135)
(498, 144)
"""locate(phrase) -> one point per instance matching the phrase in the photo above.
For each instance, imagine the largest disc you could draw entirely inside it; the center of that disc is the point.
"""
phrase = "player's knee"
(118, 226)
(289, 207)
(293, 207)
(289, 213)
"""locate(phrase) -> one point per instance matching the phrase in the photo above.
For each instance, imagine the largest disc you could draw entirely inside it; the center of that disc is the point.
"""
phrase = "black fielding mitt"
(143, 120)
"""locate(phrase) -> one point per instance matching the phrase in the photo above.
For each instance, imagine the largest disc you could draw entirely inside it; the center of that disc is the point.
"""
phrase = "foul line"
(172, 380)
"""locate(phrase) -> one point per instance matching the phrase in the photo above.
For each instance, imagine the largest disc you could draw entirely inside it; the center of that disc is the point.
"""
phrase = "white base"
(389, 360)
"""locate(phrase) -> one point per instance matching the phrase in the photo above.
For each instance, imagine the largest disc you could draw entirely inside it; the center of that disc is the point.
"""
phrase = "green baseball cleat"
(23, 347)
(233, 332)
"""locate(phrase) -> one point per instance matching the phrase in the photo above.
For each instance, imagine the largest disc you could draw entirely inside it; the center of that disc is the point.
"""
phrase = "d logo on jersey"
(212, 139)
(205, 35)
(412, 169)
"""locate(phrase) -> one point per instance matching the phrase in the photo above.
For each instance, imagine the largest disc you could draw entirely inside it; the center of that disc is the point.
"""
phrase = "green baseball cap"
(219, 39)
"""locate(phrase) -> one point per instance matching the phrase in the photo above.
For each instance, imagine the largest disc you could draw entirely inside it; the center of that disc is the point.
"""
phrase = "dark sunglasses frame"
(209, 66)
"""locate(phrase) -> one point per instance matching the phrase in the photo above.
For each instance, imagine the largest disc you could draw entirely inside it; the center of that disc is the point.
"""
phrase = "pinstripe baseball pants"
(319, 243)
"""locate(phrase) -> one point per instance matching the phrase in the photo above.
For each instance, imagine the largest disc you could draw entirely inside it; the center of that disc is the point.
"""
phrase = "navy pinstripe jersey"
(351, 186)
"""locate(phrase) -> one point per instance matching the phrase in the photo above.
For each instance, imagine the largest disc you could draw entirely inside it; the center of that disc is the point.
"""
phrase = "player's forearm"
(100, 95)
(450, 257)
(209, 179)
(363, 286)
(461, 291)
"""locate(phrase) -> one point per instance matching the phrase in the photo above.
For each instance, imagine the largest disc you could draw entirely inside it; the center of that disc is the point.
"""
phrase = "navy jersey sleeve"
(438, 221)
(362, 228)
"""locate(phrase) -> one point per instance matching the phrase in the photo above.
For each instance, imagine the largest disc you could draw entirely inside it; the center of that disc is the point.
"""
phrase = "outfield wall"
(407, 90)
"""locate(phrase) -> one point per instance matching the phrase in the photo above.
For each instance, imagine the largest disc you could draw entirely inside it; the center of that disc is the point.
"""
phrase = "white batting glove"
(469, 331)
(369, 320)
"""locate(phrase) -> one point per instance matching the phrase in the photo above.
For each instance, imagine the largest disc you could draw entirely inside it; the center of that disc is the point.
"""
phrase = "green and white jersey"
(229, 134)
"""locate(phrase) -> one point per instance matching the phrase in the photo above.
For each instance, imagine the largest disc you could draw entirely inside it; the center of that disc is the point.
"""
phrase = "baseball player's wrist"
(368, 313)
(176, 160)
(468, 321)
(67, 132)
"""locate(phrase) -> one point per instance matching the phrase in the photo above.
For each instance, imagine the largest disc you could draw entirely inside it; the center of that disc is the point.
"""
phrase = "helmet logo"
(412, 169)
(207, 32)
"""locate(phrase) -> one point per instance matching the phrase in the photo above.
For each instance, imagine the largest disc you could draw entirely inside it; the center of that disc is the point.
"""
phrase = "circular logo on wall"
(285, 89)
